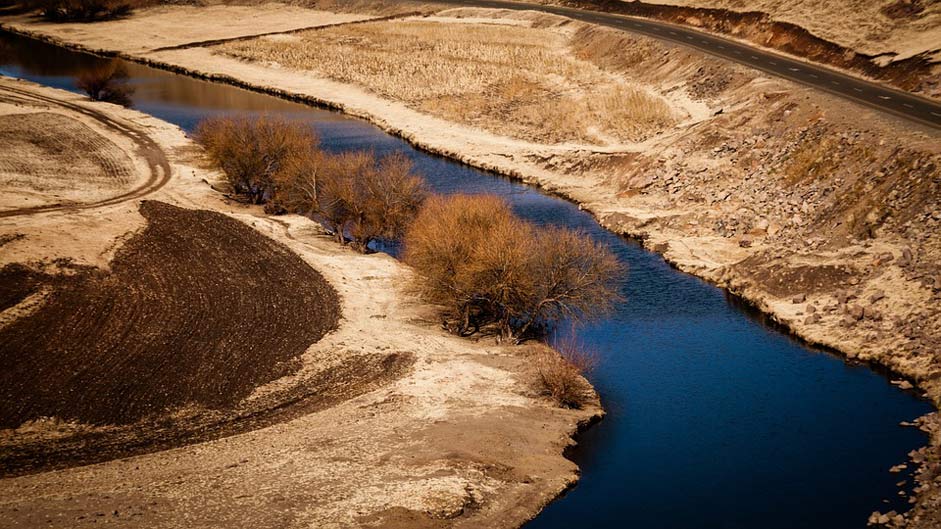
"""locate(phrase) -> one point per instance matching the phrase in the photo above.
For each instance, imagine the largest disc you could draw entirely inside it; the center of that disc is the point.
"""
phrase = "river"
(715, 419)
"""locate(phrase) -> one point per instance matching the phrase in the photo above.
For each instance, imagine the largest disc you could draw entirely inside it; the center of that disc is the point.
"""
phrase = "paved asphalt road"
(873, 95)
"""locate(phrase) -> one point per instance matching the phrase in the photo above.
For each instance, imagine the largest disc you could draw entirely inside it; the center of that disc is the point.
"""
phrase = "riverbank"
(816, 211)
(708, 194)
(447, 433)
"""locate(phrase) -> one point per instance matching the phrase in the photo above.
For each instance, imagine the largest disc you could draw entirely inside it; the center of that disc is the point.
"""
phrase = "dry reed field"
(521, 81)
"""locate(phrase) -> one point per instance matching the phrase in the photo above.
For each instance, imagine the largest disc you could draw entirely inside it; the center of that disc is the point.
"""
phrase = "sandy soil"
(98, 165)
(385, 421)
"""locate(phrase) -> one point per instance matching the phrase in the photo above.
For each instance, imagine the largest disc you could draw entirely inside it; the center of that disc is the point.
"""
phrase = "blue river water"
(715, 420)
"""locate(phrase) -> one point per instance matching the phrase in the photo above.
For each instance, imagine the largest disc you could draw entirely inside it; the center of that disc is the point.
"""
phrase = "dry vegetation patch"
(523, 82)
(488, 266)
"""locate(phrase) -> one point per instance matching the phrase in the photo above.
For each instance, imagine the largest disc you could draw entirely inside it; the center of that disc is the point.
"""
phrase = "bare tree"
(391, 196)
(441, 241)
(257, 153)
(473, 254)
(368, 200)
(297, 183)
(578, 278)
(341, 197)
(108, 82)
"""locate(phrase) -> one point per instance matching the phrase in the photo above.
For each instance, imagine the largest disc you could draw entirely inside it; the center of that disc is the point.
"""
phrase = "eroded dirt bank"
(378, 418)
(821, 213)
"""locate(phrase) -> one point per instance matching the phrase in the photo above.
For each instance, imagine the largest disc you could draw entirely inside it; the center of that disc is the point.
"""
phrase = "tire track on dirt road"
(158, 165)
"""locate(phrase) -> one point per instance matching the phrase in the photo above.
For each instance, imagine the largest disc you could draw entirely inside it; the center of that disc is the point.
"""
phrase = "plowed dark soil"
(16, 283)
(198, 309)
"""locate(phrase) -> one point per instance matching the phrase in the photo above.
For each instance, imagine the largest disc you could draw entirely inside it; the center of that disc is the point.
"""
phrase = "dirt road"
(873, 95)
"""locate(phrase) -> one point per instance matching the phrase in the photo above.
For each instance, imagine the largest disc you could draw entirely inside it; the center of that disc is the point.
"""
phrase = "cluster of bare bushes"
(82, 10)
(257, 153)
(491, 270)
(108, 82)
(475, 256)
(278, 163)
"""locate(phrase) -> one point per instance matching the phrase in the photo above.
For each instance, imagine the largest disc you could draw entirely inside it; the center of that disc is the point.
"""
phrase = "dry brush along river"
(715, 419)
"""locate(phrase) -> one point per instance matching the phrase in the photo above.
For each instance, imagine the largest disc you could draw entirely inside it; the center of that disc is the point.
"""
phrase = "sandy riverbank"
(453, 433)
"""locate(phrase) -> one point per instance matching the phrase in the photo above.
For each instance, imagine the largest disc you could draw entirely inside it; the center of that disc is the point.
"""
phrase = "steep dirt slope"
(897, 41)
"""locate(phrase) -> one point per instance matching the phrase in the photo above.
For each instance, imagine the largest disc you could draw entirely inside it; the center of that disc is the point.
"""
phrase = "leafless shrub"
(83, 10)
(475, 256)
(441, 242)
(256, 154)
(297, 182)
(279, 164)
(341, 196)
(391, 197)
(578, 278)
(108, 82)
(561, 372)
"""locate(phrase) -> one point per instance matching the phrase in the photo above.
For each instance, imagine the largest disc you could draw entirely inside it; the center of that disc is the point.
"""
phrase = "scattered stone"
(884, 258)
(876, 296)
(906, 258)
(812, 319)
(811, 309)
(800, 298)
(856, 312)
(745, 241)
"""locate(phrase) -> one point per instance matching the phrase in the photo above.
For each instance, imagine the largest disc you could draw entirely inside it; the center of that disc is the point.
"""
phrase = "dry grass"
(519, 81)
(561, 374)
